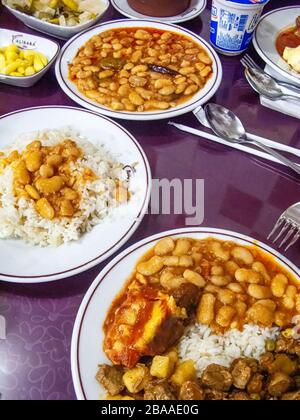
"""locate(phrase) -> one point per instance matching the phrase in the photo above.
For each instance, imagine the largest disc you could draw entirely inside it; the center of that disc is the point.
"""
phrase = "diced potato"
(173, 354)
(162, 367)
(135, 379)
(184, 372)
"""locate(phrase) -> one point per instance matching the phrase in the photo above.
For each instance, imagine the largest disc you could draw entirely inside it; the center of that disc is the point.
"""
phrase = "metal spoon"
(230, 128)
(266, 86)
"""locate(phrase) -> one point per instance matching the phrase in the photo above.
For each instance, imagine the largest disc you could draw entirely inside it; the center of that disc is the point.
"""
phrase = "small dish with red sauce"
(276, 39)
(289, 38)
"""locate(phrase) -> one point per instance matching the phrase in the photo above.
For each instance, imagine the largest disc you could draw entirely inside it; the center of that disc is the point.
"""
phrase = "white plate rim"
(171, 19)
(143, 116)
(263, 55)
(121, 242)
(211, 232)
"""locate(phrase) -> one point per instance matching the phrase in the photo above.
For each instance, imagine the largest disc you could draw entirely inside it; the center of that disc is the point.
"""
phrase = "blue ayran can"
(233, 23)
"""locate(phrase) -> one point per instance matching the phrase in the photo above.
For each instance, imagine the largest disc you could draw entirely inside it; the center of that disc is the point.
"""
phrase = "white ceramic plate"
(28, 42)
(195, 9)
(24, 263)
(60, 32)
(87, 341)
(265, 36)
(71, 48)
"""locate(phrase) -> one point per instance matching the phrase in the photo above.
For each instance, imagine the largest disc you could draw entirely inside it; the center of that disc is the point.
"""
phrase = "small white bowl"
(61, 32)
(29, 42)
(71, 48)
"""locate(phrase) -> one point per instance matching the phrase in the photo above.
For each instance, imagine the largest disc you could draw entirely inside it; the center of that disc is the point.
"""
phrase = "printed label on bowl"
(23, 43)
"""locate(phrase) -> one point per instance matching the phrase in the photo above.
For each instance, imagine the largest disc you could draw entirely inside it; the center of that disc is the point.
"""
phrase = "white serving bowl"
(29, 42)
(264, 41)
(61, 32)
(70, 50)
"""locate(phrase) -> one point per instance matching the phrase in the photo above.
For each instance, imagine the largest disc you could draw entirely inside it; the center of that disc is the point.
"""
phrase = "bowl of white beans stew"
(139, 70)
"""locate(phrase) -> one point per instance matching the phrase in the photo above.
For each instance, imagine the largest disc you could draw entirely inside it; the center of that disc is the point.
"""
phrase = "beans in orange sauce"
(140, 69)
(240, 284)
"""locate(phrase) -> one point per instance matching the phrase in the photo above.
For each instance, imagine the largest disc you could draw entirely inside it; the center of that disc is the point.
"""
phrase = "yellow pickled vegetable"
(21, 70)
(43, 59)
(12, 48)
(37, 64)
(11, 56)
(21, 63)
(29, 71)
(53, 4)
(2, 60)
(71, 4)
(10, 68)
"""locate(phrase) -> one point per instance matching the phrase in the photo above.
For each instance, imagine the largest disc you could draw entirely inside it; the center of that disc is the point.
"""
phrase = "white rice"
(205, 347)
(18, 217)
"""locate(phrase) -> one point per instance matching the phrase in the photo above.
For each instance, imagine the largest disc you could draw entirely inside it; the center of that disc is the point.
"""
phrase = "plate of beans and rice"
(74, 187)
(190, 314)
(139, 70)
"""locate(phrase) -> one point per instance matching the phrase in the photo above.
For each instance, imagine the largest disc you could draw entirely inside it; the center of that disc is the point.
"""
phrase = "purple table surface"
(242, 193)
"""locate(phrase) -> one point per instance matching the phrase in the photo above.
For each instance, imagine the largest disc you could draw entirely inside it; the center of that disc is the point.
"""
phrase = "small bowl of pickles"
(25, 59)
(59, 18)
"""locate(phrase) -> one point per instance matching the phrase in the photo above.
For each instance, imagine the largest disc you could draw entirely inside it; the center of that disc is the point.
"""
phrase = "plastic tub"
(233, 23)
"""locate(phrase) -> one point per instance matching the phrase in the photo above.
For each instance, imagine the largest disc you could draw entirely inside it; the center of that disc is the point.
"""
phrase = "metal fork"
(287, 227)
(248, 61)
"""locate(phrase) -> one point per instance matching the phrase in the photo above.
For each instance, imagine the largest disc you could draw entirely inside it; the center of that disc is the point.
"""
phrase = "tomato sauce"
(288, 38)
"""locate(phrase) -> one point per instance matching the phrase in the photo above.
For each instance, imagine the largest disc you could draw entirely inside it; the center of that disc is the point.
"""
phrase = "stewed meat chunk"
(191, 391)
(255, 384)
(241, 373)
(111, 377)
(266, 362)
(217, 377)
(214, 395)
(290, 346)
(280, 383)
(239, 396)
(187, 296)
(159, 390)
(291, 396)
(278, 363)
